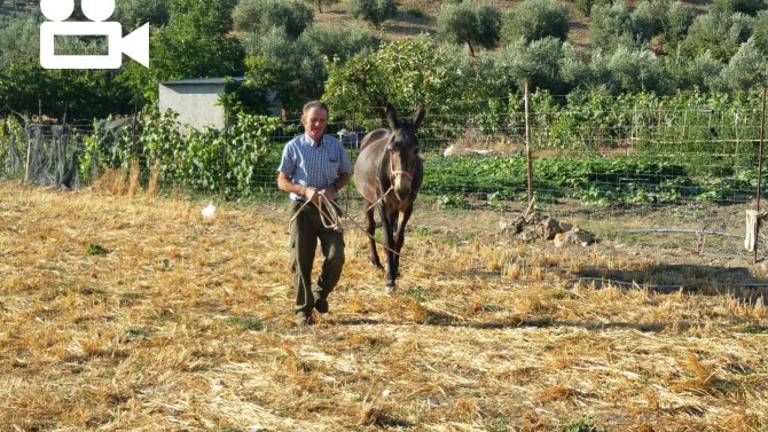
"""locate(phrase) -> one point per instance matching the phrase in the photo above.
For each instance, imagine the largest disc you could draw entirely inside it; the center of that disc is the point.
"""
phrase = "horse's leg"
(388, 221)
(400, 235)
(370, 228)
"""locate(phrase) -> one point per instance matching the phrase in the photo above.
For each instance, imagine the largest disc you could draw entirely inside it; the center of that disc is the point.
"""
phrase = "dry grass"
(134, 176)
(152, 183)
(183, 324)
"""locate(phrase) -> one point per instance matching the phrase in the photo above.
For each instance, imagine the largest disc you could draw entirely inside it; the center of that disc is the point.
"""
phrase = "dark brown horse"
(388, 172)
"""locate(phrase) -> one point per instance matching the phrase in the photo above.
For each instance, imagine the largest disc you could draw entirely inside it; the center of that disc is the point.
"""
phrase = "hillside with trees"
(334, 48)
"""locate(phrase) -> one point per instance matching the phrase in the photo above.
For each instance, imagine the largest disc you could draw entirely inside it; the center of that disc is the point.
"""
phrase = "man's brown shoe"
(321, 303)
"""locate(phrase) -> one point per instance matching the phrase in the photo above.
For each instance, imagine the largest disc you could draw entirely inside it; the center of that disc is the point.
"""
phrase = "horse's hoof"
(377, 264)
(390, 288)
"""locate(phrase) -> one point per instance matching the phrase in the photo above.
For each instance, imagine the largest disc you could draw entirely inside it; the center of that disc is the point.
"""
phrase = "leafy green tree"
(535, 19)
(320, 3)
(748, 7)
(296, 70)
(648, 17)
(373, 11)
(469, 23)
(195, 44)
(275, 62)
(259, 16)
(720, 34)
(635, 70)
(747, 68)
(704, 73)
(19, 36)
(406, 73)
(211, 16)
(676, 22)
(540, 63)
(585, 6)
(22, 84)
(135, 13)
(610, 26)
(27, 87)
(334, 43)
(273, 43)
(701, 72)
(575, 70)
(760, 31)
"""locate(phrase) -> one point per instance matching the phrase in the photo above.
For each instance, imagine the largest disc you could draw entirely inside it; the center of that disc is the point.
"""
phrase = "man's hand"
(310, 194)
(330, 193)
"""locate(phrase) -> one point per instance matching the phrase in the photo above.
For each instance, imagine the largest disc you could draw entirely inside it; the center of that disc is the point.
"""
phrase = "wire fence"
(484, 167)
(682, 165)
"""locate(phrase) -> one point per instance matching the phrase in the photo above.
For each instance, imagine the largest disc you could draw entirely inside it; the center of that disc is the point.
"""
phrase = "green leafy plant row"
(211, 160)
(594, 180)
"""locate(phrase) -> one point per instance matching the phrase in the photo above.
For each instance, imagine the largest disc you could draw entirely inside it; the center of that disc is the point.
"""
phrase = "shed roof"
(201, 81)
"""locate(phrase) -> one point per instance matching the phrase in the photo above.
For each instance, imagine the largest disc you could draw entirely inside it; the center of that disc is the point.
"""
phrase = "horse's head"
(402, 151)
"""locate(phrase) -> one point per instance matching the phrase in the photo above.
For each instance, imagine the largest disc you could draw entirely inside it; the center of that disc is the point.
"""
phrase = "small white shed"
(196, 101)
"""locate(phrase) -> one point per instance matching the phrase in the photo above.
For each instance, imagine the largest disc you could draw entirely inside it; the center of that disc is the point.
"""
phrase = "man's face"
(314, 122)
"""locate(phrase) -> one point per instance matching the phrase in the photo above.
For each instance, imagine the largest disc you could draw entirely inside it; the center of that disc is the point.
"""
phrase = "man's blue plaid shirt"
(313, 165)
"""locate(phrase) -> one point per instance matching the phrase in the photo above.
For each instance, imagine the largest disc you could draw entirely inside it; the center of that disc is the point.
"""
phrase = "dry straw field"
(133, 313)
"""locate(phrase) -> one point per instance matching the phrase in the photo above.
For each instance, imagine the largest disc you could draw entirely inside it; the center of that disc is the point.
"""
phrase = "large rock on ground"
(512, 227)
(529, 234)
(549, 228)
(575, 236)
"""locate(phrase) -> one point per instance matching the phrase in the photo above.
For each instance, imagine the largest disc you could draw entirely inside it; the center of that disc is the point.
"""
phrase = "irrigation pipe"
(679, 230)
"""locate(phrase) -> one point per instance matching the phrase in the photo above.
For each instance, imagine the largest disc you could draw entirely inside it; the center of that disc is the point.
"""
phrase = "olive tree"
(610, 24)
(748, 7)
(719, 33)
(296, 70)
(373, 11)
(535, 19)
(320, 3)
(134, 13)
(746, 69)
(259, 16)
(540, 63)
(633, 69)
(676, 22)
(469, 23)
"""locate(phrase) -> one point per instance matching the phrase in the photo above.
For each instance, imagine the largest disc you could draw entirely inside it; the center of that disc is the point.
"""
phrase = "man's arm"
(284, 179)
(285, 184)
(344, 170)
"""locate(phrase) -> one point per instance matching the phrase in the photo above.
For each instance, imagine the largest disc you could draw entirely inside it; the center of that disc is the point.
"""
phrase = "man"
(313, 164)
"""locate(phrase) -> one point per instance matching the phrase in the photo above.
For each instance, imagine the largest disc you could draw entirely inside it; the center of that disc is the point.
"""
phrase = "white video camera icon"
(134, 45)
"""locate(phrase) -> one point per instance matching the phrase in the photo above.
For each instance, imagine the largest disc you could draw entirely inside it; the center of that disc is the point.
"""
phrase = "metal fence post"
(28, 133)
(759, 191)
(528, 146)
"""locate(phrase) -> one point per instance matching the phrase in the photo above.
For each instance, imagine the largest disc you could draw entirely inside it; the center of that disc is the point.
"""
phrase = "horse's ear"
(391, 116)
(419, 116)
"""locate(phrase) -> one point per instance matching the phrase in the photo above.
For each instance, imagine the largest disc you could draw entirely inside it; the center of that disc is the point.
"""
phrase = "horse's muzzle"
(402, 188)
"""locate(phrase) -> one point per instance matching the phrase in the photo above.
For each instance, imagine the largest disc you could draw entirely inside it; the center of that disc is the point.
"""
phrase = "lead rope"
(329, 211)
(330, 217)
